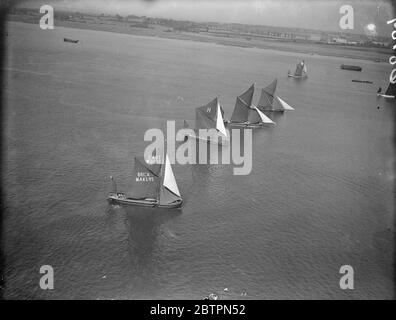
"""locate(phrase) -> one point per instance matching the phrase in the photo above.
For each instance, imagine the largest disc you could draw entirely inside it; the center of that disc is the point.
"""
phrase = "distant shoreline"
(348, 52)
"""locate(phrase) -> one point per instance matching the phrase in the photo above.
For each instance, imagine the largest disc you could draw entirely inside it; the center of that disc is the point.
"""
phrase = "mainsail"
(247, 96)
(267, 96)
(301, 69)
(169, 192)
(155, 181)
(146, 179)
(210, 116)
(269, 101)
(270, 90)
(391, 91)
(242, 106)
(247, 113)
(241, 111)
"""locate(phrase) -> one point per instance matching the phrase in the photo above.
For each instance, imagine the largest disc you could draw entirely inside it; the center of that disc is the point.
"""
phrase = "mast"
(161, 174)
(114, 184)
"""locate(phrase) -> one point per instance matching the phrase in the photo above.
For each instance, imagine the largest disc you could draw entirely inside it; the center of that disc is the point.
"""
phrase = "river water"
(319, 196)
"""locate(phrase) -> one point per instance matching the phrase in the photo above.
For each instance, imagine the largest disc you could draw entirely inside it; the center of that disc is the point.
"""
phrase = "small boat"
(246, 114)
(269, 102)
(212, 296)
(390, 93)
(362, 81)
(301, 71)
(154, 185)
(70, 40)
(349, 67)
(210, 116)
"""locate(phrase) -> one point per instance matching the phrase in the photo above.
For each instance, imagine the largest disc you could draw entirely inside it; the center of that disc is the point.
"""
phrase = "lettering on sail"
(144, 177)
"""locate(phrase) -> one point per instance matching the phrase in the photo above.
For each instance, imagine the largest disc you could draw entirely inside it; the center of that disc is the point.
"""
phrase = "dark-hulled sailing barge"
(154, 185)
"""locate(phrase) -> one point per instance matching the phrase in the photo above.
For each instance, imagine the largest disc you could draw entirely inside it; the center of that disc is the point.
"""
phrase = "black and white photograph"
(218, 150)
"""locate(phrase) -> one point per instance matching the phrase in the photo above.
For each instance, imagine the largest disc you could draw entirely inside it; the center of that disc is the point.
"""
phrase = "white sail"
(305, 69)
(169, 178)
(263, 117)
(284, 104)
(220, 121)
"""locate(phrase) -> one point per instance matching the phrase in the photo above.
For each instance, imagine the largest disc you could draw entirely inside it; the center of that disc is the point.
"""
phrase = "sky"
(311, 14)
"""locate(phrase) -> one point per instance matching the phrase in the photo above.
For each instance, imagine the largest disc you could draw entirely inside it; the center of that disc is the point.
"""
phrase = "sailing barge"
(390, 92)
(301, 71)
(154, 185)
(269, 102)
(353, 68)
(246, 114)
(210, 116)
(70, 40)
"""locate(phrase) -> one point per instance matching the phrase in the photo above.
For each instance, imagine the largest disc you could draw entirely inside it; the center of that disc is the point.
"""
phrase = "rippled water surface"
(320, 194)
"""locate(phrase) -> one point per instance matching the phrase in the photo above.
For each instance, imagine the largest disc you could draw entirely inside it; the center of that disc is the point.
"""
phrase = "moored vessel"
(70, 40)
(349, 67)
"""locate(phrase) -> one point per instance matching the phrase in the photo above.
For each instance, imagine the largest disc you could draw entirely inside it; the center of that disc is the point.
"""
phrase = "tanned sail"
(301, 70)
(391, 91)
(267, 97)
(245, 113)
(270, 102)
(154, 185)
(210, 116)
(146, 179)
(241, 111)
